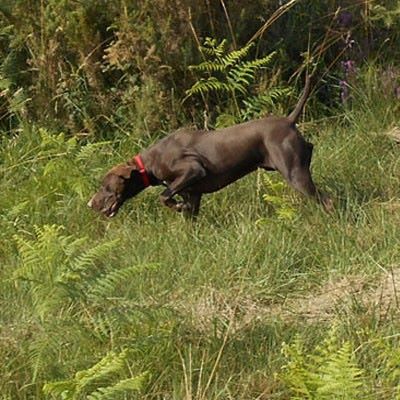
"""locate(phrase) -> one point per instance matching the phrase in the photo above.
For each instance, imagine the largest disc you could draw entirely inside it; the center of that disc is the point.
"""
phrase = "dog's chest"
(213, 182)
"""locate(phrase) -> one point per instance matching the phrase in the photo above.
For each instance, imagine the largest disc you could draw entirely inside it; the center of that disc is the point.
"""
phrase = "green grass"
(199, 307)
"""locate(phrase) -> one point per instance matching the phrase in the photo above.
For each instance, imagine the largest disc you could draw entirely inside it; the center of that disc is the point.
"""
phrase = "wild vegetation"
(265, 296)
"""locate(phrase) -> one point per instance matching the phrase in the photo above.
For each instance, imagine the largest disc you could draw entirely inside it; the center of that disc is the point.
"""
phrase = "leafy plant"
(387, 357)
(55, 269)
(389, 14)
(277, 198)
(12, 104)
(330, 372)
(103, 381)
(227, 73)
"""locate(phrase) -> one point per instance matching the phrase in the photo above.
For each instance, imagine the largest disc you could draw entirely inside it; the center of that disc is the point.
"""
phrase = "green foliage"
(277, 198)
(329, 372)
(255, 106)
(79, 64)
(203, 307)
(54, 269)
(103, 381)
(109, 284)
(168, 290)
(229, 74)
(389, 13)
(93, 66)
(12, 104)
(62, 275)
(387, 363)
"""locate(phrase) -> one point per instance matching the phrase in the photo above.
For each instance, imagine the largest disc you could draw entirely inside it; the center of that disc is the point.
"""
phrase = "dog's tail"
(294, 115)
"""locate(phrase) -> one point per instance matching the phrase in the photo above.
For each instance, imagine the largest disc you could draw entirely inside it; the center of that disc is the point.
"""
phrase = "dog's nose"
(90, 203)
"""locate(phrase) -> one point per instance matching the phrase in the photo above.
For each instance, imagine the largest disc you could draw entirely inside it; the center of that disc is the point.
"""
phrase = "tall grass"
(229, 307)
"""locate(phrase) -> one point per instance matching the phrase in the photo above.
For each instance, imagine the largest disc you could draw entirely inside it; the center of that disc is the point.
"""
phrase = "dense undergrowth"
(264, 296)
(148, 305)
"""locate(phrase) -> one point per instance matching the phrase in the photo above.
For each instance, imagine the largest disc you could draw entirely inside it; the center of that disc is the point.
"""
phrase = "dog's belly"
(214, 182)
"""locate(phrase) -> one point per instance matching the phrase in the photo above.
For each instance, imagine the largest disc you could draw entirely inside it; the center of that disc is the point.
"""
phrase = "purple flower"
(344, 91)
(349, 67)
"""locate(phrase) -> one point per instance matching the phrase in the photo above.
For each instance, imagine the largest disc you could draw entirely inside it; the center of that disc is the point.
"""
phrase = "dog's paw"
(179, 206)
(184, 208)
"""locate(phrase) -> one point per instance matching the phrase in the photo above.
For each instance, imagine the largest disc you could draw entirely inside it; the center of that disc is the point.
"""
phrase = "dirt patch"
(325, 302)
(214, 310)
(394, 134)
(341, 295)
(387, 294)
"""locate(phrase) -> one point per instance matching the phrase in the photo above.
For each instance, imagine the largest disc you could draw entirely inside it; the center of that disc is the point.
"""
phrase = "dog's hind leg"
(295, 168)
(300, 179)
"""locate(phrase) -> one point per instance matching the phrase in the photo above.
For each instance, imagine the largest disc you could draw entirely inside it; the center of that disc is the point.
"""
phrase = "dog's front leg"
(191, 205)
(168, 201)
(189, 172)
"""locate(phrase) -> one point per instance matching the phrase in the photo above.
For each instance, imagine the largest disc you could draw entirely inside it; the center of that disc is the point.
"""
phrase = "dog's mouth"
(107, 205)
(111, 211)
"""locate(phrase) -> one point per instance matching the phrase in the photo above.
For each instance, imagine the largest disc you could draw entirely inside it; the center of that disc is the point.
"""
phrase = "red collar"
(142, 170)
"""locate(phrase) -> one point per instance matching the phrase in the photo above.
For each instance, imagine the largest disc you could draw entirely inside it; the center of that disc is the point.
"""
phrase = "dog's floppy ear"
(124, 171)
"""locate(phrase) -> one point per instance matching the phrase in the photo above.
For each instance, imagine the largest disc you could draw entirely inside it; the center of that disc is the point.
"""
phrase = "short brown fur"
(191, 163)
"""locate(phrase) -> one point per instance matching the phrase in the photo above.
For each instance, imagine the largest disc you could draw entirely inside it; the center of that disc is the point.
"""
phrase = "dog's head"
(119, 184)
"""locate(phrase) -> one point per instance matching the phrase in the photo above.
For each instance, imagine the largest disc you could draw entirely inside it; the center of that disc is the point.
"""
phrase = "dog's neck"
(142, 170)
(148, 178)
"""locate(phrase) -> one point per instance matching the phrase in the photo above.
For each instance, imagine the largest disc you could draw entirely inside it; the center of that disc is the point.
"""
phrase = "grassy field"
(261, 298)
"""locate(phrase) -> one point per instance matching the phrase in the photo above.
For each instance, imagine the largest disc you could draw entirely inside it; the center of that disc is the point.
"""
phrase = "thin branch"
(274, 17)
(229, 24)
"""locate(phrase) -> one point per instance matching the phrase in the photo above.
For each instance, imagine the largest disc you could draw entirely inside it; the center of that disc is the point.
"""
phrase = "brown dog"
(190, 163)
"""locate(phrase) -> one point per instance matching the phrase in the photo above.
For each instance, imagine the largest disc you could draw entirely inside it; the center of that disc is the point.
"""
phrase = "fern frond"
(296, 373)
(54, 277)
(109, 366)
(122, 387)
(339, 376)
(88, 258)
(257, 105)
(60, 388)
(238, 86)
(228, 74)
(222, 62)
(18, 208)
(240, 76)
(102, 324)
(234, 56)
(277, 199)
(259, 62)
(212, 49)
(96, 383)
(29, 257)
(209, 66)
(107, 285)
(328, 373)
(89, 150)
(44, 348)
(204, 86)
(37, 252)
